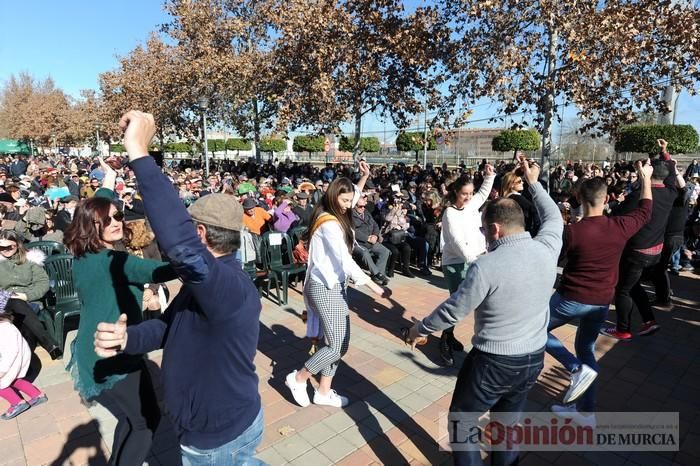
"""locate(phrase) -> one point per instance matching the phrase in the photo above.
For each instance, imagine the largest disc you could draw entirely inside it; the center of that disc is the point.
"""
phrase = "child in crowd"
(14, 363)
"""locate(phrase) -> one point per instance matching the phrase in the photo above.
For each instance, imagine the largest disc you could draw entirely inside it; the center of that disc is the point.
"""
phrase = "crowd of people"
(493, 230)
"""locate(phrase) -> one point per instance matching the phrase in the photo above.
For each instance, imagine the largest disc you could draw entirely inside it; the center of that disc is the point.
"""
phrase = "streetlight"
(203, 104)
(97, 133)
(53, 141)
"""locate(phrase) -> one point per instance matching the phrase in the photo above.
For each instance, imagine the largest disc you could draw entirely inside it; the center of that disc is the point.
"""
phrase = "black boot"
(446, 351)
(406, 271)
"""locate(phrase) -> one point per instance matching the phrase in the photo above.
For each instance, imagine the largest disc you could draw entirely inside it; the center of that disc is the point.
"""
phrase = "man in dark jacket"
(303, 209)
(209, 333)
(368, 242)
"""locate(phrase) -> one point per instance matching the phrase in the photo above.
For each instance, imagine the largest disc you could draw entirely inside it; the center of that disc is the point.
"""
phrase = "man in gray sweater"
(509, 290)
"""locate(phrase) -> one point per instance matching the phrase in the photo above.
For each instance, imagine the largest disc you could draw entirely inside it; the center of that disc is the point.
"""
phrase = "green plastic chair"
(256, 275)
(295, 234)
(279, 263)
(49, 248)
(64, 302)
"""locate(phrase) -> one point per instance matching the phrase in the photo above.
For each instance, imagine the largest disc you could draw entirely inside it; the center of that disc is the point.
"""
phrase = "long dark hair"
(83, 236)
(329, 204)
(456, 186)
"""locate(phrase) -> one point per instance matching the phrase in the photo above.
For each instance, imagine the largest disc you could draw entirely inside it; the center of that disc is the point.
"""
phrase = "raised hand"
(488, 169)
(363, 167)
(110, 339)
(531, 172)
(139, 129)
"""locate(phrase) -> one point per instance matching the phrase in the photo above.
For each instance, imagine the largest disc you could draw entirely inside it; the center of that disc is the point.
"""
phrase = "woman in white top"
(330, 264)
(463, 242)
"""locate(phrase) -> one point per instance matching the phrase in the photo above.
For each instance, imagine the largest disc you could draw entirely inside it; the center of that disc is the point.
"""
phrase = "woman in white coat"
(463, 242)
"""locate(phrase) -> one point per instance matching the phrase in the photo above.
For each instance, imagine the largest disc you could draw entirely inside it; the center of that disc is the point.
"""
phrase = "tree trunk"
(358, 130)
(256, 130)
(548, 107)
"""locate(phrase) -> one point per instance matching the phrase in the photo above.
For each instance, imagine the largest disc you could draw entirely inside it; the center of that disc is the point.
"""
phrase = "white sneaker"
(580, 381)
(583, 420)
(298, 390)
(332, 399)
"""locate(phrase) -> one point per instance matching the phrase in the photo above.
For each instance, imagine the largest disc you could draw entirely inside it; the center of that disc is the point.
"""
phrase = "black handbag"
(397, 236)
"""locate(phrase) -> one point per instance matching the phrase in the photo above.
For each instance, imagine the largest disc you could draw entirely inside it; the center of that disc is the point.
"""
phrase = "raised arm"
(552, 224)
(483, 194)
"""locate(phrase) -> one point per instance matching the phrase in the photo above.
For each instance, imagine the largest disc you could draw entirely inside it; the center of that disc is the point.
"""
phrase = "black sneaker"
(407, 272)
(454, 343)
(446, 351)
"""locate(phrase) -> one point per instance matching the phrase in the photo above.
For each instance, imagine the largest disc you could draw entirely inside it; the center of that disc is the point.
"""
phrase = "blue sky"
(74, 41)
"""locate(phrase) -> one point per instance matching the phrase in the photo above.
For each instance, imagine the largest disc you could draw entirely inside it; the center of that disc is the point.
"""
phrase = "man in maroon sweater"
(593, 248)
(643, 251)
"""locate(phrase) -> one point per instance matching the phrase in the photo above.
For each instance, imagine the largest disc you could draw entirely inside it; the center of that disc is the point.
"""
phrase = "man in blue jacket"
(209, 333)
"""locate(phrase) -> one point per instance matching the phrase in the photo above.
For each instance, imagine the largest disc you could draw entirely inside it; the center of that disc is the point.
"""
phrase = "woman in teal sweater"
(109, 283)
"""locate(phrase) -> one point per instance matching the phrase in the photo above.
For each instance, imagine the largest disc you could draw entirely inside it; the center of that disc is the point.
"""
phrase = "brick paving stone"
(336, 448)
(8, 428)
(312, 457)
(339, 421)
(356, 458)
(358, 434)
(292, 447)
(12, 449)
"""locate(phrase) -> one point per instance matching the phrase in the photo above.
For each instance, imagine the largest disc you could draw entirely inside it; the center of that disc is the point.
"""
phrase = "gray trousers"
(332, 308)
(367, 256)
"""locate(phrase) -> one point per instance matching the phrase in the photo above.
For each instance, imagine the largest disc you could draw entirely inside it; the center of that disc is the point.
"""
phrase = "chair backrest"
(59, 268)
(295, 234)
(272, 246)
(49, 248)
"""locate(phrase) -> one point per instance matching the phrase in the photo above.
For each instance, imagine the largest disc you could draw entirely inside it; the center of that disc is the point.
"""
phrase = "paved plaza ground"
(396, 395)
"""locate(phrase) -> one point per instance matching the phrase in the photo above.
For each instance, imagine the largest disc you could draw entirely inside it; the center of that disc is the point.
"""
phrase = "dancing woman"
(330, 265)
(463, 242)
(110, 283)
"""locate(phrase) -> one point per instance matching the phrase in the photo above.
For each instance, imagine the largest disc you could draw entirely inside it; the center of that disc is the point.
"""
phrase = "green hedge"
(238, 144)
(272, 145)
(309, 143)
(682, 139)
(515, 140)
(180, 147)
(117, 148)
(413, 142)
(368, 144)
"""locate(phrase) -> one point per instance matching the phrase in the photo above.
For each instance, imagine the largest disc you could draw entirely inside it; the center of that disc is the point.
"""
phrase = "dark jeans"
(660, 274)
(29, 325)
(399, 252)
(630, 294)
(491, 382)
(420, 245)
(133, 402)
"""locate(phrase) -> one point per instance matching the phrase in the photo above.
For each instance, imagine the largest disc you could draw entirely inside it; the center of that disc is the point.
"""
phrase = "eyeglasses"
(117, 217)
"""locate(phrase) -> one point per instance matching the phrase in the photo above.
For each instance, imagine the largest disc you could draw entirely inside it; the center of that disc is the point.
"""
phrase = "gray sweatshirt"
(509, 288)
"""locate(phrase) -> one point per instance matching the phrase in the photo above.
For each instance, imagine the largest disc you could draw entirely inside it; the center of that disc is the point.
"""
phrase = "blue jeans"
(496, 383)
(239, 451)
(591, 319)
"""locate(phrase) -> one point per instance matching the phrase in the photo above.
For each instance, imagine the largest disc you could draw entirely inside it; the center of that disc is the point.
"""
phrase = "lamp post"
(203, 104)
(97, 134)
(53, 141)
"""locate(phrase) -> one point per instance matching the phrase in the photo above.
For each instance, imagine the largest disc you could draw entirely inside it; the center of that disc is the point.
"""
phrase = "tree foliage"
(367, 144)
(238, 144)
(309, 143)
(611, 59)
(270, 144)
(339, 60)
(408, 141)
(515, 140)
(682, 139)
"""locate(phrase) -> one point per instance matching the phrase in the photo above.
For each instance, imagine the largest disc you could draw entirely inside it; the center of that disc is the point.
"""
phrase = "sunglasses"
(117, 217)
(8, 248)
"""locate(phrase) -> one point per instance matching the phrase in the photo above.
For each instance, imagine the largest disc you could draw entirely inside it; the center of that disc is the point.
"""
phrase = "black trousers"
(133, 402)
(29, 325)
(660, 273)
(630, 294)
(399, 252)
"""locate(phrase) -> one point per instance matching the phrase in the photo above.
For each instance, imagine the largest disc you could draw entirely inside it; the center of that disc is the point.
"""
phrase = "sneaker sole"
(646, 333)
(581, 388)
